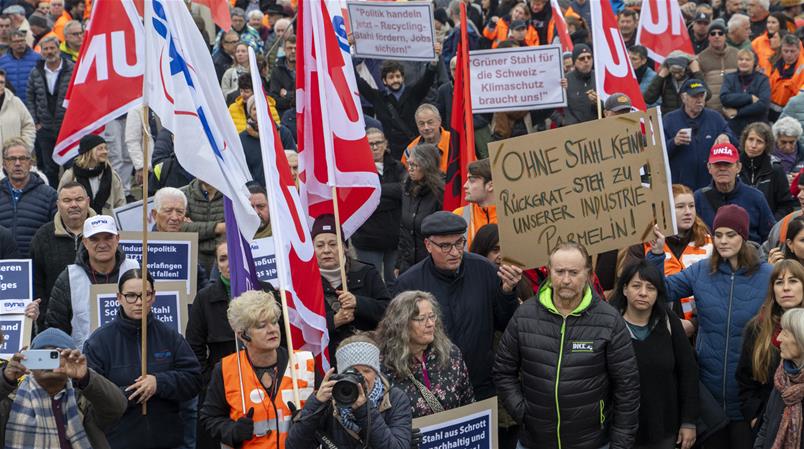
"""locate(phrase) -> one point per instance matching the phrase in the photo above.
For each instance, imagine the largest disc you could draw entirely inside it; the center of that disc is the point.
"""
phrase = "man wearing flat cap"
(475, 297)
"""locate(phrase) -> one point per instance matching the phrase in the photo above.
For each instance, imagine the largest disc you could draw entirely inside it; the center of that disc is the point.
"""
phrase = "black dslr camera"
(345, 390)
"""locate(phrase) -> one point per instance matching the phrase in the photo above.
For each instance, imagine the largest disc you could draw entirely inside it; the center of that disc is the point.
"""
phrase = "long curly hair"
(393, 332)
(428, 157)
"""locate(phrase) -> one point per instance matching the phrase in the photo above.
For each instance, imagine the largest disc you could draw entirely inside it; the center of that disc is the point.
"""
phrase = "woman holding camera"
(246, 402)
(419, 358)
(376, 416)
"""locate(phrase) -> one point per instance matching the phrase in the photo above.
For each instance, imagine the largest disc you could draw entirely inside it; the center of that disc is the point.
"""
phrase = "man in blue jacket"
(726, 188)
(690, 132)
(18, 63)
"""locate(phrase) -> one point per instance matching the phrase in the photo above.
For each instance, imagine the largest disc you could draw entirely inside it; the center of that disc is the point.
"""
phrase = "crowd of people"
(689, 340)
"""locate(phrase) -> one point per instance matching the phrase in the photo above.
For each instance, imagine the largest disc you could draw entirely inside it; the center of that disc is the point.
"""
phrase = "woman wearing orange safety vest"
(247, 399)
(691, 244)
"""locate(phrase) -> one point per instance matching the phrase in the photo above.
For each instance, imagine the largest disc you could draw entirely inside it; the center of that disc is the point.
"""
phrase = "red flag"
(107, 79)
(220, 12)
(662, 29)
(333, 149)
(462, 130)
(561, 27)
(613, 71)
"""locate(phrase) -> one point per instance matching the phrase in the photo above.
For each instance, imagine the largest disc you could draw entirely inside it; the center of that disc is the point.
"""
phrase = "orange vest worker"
(673, 265)
(443, 147)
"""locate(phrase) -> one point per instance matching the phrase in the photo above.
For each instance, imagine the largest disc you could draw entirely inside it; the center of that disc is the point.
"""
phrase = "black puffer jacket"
(768, 177)
(579, 384)
(48, 110)
(208, 331)
(415, 206)
(381, 230)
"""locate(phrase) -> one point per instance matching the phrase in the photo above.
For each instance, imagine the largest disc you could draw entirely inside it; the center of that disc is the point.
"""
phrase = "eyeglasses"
(77, 33)
(584, 58)
(231, 42)
(132, 298)
(15, 159)
(446, 248)
(424, 319)
(716, 33)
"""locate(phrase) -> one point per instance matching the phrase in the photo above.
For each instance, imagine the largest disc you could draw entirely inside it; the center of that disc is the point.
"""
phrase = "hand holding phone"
(43, 359)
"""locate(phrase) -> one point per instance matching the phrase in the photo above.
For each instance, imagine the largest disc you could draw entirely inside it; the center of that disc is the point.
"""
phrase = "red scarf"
(791, 389)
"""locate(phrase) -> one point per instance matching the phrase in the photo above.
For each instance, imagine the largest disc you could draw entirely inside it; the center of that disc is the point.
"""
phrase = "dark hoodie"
(768, 177)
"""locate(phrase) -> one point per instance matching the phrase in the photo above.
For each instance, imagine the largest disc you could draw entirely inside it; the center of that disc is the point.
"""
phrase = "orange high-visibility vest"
(443, 147)
(673, 265)
(476, 217)
(271, 418)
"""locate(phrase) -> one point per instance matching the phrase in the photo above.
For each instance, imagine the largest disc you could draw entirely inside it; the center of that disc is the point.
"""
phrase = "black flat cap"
(443, 223)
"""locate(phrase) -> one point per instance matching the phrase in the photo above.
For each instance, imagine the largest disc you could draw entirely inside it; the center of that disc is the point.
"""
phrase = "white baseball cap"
(99, 223)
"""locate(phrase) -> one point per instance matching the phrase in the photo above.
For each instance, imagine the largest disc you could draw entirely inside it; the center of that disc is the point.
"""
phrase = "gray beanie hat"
(358, 353)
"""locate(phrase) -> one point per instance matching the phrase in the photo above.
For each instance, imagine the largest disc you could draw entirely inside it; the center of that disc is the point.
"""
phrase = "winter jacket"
(230, 78)
(381, 231)
(754, 394)
(761, 218)
(688, 162)
(8, 247)
(205, 215)
(395, 114)
(238, 112)
(48, 110)
(726, 300)
(117, 196)
(569, 381)
(795, 109)
(736, 93)
(18, 70)
(35, 207)
(253, 151)
(771, 421)
(763, 174)
(100, 403)
(715, 65)
(222, 61)
(473, 306)
(579, 109)
(795, 167)
(783, 89)
(114, 352)
(390, 423)
(15, 120)
(53, 248)
(647, 74)
(208, 331)
(365, 283)
(283, 77)
(415, 207)
(666, 89)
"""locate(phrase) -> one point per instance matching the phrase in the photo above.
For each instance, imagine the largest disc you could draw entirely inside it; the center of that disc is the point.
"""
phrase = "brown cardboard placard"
(582, 183)
(471, 426)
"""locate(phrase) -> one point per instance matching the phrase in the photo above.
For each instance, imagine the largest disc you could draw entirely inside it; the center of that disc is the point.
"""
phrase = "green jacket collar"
(546, 299)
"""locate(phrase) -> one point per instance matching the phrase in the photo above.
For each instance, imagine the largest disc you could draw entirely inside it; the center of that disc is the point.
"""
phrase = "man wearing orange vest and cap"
(479, 189)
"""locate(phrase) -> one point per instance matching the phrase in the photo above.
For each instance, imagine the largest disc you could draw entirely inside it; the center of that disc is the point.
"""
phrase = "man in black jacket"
(573, 352)
(474, 302)
(283, 78)
(581, 96)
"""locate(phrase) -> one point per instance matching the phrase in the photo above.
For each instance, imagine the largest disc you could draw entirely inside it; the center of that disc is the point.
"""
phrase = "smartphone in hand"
(43, 359)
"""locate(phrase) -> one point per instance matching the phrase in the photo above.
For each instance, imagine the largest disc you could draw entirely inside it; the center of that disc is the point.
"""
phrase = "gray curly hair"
(393, 332)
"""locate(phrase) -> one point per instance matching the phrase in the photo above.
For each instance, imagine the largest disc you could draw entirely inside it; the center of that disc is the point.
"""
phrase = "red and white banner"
(561, 27)
(613, 71)
(662, 29)
(333, 149)
(107, 79)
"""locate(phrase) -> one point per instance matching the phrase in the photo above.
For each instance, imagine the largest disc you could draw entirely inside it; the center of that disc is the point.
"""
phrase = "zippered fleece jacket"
(579, 385)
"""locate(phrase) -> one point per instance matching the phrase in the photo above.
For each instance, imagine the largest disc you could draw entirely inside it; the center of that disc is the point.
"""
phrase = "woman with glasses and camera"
(174, 375)
(419, 358)
(357, 408)
(246, 404)
(359, 306)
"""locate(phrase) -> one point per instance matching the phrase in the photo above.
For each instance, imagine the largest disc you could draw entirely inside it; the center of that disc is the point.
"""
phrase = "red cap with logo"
(723, 152)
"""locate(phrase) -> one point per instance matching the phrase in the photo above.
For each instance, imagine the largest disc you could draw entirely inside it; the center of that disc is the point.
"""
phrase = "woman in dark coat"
(745, 94)
(760, 171)
(423, 194)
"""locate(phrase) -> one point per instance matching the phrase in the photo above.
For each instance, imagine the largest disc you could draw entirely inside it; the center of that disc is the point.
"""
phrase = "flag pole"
(144, 323)
(240, 375)
(599, 105)
(341, 254)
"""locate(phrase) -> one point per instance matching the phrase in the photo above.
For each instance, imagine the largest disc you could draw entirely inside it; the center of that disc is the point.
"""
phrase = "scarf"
(333, 276)
(787, 160)
(785, 72)
(348, 415)
(31, 422)
(99, 198)
(790, 385)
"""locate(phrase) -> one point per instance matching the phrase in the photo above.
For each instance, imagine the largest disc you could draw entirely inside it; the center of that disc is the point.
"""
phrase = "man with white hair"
(254, 20)
(428, 122)
(758, 12)
(788, 152)
(73, 38)
(739, 32)
(19, 22)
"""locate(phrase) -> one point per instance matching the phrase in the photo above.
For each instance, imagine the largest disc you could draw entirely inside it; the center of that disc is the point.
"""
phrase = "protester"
(379, 418)
(760, 351)
(18, 63)
(786, 133)
(263, 365)
(745, 94)
(245, 33)
(498, 27)
(487, 244)
(377, 240)
(642, 70)
(717, 60)
(569, 410)
(479, 189)
(734, 267)
(422, 194)
(70, 47)
(15, 120)
(223, 56)
(791, 247)
(761, 171)
(92, 169)
(418, 357)
(283, 80)
(668, 373)
(237, 109)
(699, 32)
(240, 65)
(174, 376)
(787, 75)
(581, 94)
(668, 85)
(758, 12)
(739, 32)
(762, 44)
(428, 124)
(72, 404)
(783, 411)
(258, 197)
(205, 213)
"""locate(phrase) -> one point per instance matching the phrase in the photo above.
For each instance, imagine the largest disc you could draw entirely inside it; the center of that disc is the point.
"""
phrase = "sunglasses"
(716, 33)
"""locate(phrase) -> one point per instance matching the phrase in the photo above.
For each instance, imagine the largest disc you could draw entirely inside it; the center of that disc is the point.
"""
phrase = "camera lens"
(345, 392)
(54, 354)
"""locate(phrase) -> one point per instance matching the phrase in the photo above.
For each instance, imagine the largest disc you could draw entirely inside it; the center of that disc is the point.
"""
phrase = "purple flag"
(242, 272)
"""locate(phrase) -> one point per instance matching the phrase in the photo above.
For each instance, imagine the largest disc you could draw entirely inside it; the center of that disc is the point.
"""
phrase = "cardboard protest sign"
(264, 254)
(129, 216)
(516, 79)
(16, 330)
(582, 183)
(472, 426)
(170, 306)
(400, 31)
(172, 256)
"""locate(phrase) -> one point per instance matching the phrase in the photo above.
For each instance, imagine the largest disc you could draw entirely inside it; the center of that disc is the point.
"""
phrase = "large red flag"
(333, 149)
(107, 79)
(613, 71)
(462, 130)
(662, 29)
(561, 27)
